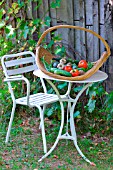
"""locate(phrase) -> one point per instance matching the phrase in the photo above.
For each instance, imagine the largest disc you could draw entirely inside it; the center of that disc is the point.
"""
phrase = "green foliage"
(55, 4)
(16, 35)
(19, 36)
(109, 105)
(46, 65)
(94, 92)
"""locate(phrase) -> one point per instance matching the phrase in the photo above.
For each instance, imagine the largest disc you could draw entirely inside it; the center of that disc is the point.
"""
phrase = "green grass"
(25, 148)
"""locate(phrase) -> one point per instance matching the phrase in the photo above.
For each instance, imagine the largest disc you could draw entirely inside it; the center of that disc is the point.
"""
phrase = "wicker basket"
(40, 52)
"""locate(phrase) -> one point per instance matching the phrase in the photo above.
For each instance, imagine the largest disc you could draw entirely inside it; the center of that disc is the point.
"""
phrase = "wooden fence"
(96, 15)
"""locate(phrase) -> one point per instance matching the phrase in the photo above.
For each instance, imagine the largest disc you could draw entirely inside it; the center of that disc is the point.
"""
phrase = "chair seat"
(39, 99)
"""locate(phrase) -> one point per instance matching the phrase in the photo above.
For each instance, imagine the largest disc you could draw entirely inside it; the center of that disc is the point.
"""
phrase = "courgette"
(83, 69)
(53, 69)
(62, 72)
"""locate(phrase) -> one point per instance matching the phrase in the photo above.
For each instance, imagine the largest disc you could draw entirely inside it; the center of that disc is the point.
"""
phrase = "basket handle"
(74, 27)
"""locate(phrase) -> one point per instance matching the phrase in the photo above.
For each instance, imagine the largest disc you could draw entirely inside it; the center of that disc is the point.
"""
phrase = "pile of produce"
(67, 67)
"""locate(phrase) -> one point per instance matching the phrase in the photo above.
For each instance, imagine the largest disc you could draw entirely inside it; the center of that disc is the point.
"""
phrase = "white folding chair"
(13, 72)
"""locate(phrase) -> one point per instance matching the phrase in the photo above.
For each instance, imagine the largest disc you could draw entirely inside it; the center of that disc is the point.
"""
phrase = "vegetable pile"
(67, 66)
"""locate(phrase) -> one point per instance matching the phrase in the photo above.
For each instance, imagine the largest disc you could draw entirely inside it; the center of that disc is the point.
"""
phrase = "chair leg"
(43, 129)
(10, 123)
(44, 107)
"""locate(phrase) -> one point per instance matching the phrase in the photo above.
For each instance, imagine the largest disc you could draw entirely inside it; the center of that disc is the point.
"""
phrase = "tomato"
(83, 64)
(68, 68)
(75, 73)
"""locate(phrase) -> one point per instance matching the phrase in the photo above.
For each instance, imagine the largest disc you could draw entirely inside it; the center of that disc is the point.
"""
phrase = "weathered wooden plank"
(69, 12)
(96, 29)
(89, 12)
(53, 14)
(64, 34)
(62, 14)
(109, 26)
(89, 38)
(102, 47)
(29, 10)
(46, 14)
(77, 39)
(70, 22)
(101, 7)
(41, 10)
(102, 29)
(109, 83)
(76, 10)
(102, 33)
(82, 24)
(108, 35)
(41, 14)
(34, 10)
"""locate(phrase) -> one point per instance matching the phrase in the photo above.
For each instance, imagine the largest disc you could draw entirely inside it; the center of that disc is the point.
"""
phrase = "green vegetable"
(53, 69)
(72, 60)
(83, 69)
(90, 65)
(46, 65)
(55, 64)
(62, 72)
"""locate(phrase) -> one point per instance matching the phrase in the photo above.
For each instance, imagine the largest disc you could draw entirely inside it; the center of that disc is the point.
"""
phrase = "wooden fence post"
(109, 38)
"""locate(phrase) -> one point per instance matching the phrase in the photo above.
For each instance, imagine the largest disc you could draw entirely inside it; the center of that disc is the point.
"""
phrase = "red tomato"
(68, 68)
(75, 73)
(82, 64)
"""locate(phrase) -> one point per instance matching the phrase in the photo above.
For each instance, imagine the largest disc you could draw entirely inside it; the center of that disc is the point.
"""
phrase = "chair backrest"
(19, 63)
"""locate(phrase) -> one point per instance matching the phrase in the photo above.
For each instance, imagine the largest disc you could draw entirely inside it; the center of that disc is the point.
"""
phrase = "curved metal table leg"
(72, 126)
(61, 126)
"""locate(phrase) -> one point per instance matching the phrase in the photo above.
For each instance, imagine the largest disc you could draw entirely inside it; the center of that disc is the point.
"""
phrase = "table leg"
(72, 126)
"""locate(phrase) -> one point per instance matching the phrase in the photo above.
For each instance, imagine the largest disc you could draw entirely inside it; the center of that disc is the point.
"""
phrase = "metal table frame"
(98, 76)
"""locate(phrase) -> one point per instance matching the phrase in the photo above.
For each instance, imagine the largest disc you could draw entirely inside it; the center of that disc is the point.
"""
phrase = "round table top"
(98, 76)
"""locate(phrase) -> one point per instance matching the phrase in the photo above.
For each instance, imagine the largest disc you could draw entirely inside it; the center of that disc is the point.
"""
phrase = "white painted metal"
(21, 70)
(39, 100)
(19, 61)
(99, 76)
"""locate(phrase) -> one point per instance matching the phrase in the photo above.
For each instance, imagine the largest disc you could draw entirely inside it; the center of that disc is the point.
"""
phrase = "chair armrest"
(17, 78)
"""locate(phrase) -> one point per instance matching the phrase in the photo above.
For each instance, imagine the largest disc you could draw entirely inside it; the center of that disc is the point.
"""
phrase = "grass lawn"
(25, 148)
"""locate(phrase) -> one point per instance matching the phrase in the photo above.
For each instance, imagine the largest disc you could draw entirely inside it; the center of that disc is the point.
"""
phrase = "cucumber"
(62, 72)
(83, 69)
(53, 69)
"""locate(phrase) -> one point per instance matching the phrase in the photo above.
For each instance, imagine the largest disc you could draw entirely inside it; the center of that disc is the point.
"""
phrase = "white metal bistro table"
(98, 76)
